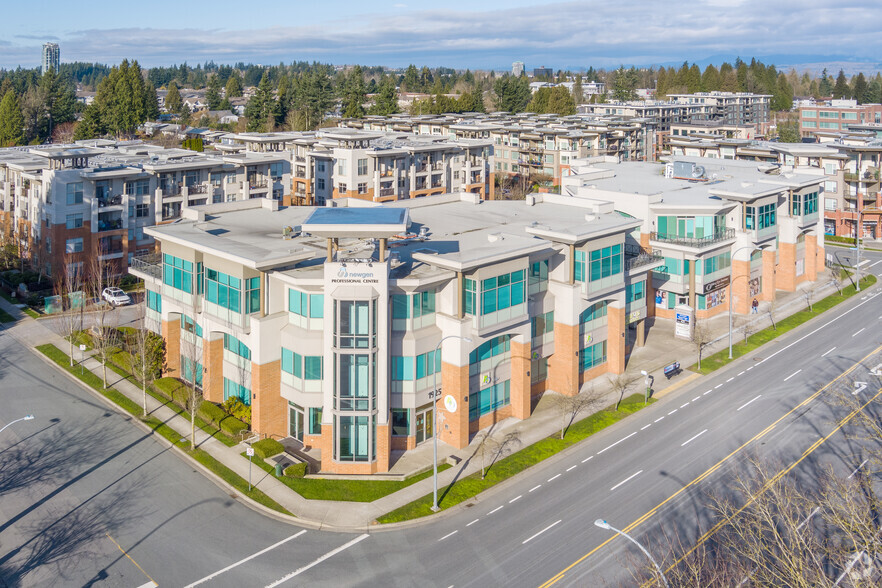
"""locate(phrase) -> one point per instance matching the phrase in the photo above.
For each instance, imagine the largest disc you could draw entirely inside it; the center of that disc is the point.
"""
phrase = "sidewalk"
(661, 349)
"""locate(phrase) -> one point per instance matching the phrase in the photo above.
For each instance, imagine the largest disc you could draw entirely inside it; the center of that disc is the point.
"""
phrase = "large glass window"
(400, 422)
(542, 329)
(354, 434)
(74, 221)
(187, 370)
(593, 317)
(355, 324)
(307, 367)
(579, 266)
(190, 326)
(75, 193)
(315, 421)
(154, 301)
(233, 345)
(760, 217)
(538, 278)
(805, 204)
(469, 296)
(177, 273)
(502, 292)
(355, 382)
(606, 262)
(306, 305)
(223, 290)
(592, 356)
(232, 389)
(714, 264)
(489, 354)
(635, 292)
(489, 399)
(252, 295)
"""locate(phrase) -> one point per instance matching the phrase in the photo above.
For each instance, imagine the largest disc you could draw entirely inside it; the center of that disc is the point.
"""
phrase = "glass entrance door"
(295, 422)
(424, 422)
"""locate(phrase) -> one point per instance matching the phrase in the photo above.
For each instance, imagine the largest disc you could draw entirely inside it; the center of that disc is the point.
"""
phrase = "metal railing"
(643, 258)
(699, 242)
(197, 189)
(148, 264)
(108, 200)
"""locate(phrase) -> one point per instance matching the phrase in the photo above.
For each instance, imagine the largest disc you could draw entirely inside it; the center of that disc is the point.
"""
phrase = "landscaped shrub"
(267, 448)
(173, 389)
(233, 406)
(211, 412)
(298, 470)
(232, 426)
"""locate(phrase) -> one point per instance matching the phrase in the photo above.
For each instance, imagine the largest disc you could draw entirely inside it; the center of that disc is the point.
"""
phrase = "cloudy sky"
(455, 33)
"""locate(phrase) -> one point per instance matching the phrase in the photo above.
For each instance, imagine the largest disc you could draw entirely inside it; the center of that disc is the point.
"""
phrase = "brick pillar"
(213, 374)
(769, 285)
(811, 258)
(786, 279)
(740, 287)
(171, 332)
(453, 428)
(615, 344)
(326, 444)
(520, 379)
(384, 446)
(268, 409)
(563, 366)
(650, 296)
(641, 333)
(820, 260)
(644, 242)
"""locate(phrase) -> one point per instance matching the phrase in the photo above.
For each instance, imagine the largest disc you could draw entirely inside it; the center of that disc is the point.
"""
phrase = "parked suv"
(115, 296)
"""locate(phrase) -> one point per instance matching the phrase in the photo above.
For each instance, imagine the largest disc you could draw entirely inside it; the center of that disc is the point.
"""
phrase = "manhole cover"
(757, 359)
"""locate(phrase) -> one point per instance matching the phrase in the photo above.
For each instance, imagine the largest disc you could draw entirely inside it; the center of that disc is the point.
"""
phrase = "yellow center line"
(130, 559)
(711, 470)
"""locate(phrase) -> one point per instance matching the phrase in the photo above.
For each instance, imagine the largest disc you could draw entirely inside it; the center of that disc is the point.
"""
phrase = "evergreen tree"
(710, 79)
(782, 95)
(173, 100)
(578, 92)
(556, 100)
(212, 95)
(262, 109)
(825, 84)
(411, 81)
(354, 94)
(427, 80)
(90, 126)
(386, 98)
(841, 89)
(472, 101)
(661, 83)
(512, 93)
(860, 89)
(11, 121)
(693, 79)
(234, 86)
(58, 98)
(624, 84)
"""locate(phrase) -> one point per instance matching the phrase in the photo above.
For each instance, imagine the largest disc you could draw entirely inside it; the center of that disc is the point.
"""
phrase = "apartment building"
(836, 115)
(733, 108)
(51, 57)
(329, 321)
(724, 228)
(96, 198)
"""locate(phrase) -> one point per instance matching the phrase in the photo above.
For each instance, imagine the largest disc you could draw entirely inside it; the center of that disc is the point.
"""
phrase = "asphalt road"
(80, 484)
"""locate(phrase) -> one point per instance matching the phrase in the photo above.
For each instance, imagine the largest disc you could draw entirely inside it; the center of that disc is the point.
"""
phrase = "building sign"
(683, 327)
(716, 285)
(355, 273)
(450, 403)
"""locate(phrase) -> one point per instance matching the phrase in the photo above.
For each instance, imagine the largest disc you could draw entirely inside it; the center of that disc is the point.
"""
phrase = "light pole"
(29, 417)
(857, 244)
(731, 289)
(435, 418)
(645, 375)
(604, 525)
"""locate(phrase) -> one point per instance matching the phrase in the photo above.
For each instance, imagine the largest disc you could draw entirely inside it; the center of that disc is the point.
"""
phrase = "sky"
(487, 34)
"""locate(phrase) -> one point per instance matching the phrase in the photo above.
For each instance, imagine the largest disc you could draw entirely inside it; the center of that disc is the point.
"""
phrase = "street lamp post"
(29, 417)
(435, 419)
(857, 244)
(731, 289)
(645, 375)
(604, 525)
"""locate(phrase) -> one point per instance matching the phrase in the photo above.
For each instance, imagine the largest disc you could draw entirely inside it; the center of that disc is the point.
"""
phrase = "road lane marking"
(793, 374)
(741, 372)
(616, 443)
(555, 477)
(540, 532)
(150, 584)
(825, 355)
(645, 426)
(658, 419)
(696, 398)
(518, 497)
(878, 262)
(129, 557)
(632, 476)
(693, 438)
(684, 405)
(708, 472)
(536, 487)
(448, 535)
(495, 509)
(672, 412)
(808, 518)
(859, 332)
(717, 386)
(249, 558)
(473, 522)
(748, 369)
(708, 392)
(730, 379)
(863, 463)
(748, 402)
(328, 555)
(572, 467)
(587, 458)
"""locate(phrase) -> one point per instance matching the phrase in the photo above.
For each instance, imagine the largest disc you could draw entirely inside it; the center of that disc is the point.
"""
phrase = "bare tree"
(105, 335)
(570, 407)
(148, 355)
(494, 448)
(620, 383)
(808, 293)
(701, 338)
(191, 369)
(746, 325)
(69, 289)
(770, 309)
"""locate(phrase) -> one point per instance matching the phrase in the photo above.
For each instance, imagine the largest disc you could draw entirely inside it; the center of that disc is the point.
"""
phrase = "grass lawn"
(345, 490)
(168, 433)
(472, 485)
(760, 338)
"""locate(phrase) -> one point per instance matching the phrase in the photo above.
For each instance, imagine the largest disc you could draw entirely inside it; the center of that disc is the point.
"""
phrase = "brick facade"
(213, 370)
(269, 411)
(563, 366)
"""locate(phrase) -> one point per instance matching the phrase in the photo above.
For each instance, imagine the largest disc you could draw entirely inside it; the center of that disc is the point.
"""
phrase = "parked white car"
(115, 296)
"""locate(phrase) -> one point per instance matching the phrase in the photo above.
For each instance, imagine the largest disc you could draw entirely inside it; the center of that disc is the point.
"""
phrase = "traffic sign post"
(82, 357)
(249, 451)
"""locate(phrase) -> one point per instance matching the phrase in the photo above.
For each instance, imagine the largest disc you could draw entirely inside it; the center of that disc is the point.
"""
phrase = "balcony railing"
(699, 242)
(111, 225)
(171, 189)
(197, 189)
(387, 191)
(643, 258)
(867, 175)
(257, 185)
(109, 200)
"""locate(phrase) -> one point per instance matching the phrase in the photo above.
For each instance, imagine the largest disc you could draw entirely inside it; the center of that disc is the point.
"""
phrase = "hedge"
(173, 389)
(267, 447)
(232, 426)
(298, 470)
(209, 411)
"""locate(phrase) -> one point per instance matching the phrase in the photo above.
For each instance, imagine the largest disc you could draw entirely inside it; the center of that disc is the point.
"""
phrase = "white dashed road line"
(825, 355)
(536, 487)
(555, 477)
(708, 392)
(617, 442)
(672, 412)
(495, 509)
(448, 535)
(644, 427)
(473, 522)
(859, 332)
(748, 402)
(717, 386)
(730, 379)
(632, 476)
(791, 375)
(540, 532)
(684, 405)
(739, 373)
(696, 398)
(693, 438)
(658, 419)
(572, 467)
(518, 497)
(587, 458)
(863, 463)
(316, 562)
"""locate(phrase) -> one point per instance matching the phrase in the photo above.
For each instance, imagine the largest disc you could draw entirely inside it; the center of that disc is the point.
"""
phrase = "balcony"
(868, 175)
(197, 189)
(696, 242)
(150, 265)
(436, 182)
(387, 192)
(387, 173)
(171, 189)
(438, 165)
(643, 258)
(109, 225)
(257, 184)
(108, 200)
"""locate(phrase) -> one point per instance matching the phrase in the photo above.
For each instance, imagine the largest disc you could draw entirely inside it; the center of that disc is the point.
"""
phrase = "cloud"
(565, 34)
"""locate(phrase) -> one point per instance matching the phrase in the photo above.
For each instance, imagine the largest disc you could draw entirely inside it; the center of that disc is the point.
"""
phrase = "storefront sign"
(716, 285)
(450, 403)
(683, 326)
(355, 273)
